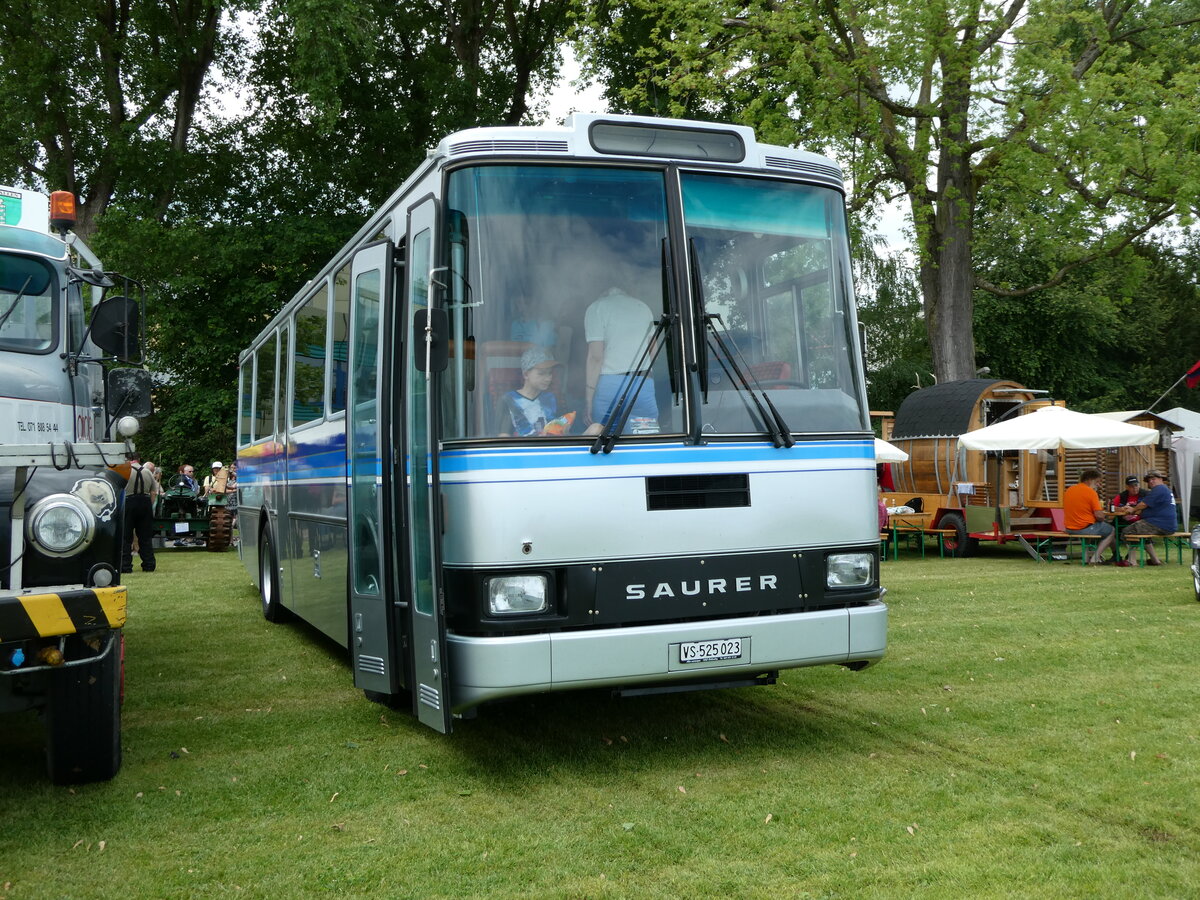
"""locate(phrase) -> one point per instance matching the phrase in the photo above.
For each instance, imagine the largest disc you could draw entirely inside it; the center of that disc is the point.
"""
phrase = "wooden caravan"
(994, 495)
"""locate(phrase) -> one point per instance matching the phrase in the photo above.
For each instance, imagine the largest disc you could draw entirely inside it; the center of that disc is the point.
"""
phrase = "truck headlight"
(848, 570)
(60, 525)
(510, 595)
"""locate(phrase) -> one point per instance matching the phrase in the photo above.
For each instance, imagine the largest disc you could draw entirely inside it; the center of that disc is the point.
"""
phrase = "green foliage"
(1030, 733)
(212, 286)
(1074, 122)
(889, 309)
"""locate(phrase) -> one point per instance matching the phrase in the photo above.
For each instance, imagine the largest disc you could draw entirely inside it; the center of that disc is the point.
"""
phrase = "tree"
(101, 98)
(1076, 119)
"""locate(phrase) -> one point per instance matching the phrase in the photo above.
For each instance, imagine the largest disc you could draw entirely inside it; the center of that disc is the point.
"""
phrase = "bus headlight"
(510, 595)
(60, 525)
(848, 570)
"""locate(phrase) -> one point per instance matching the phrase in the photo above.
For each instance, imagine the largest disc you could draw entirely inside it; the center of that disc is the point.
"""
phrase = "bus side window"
(339, 335)
(308, 359)
(264, 393)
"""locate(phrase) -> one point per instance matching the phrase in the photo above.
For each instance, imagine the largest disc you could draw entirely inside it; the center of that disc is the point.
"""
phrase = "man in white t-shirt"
(616, 327)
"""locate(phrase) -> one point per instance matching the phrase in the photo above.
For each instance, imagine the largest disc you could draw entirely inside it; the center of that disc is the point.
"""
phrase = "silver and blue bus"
(579, 407)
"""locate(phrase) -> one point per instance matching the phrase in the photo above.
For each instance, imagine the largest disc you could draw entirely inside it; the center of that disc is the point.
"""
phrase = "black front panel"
(639, 592)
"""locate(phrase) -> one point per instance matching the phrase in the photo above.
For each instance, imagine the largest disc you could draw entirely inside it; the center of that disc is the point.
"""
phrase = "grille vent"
(798, 165)
(522, 146)
(697, 491)
(372, 664)
(430, 696)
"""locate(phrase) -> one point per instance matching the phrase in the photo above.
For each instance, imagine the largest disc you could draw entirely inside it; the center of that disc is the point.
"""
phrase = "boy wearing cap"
(1158, 513)
(525, 411)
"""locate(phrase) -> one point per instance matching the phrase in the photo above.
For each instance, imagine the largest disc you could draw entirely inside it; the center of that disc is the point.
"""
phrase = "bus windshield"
(555, 287)
(773, 274)
(26, 304)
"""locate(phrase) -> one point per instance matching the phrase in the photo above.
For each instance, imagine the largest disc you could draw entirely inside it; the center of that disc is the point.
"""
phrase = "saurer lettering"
(698, 587)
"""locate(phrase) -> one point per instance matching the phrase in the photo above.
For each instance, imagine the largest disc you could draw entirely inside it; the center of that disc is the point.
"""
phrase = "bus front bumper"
(489, 668)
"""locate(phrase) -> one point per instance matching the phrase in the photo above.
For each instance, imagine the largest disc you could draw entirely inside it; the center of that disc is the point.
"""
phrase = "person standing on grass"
(1084, 514)
(1158, 512)
(139, 515)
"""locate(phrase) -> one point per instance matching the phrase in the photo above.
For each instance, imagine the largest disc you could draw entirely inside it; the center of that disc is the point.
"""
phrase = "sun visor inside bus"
(796, 210)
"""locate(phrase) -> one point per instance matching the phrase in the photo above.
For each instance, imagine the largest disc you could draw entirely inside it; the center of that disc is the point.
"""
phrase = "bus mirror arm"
(431, 332)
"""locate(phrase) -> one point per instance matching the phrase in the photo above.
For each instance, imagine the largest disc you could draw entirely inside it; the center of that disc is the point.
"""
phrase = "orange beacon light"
(62, 211)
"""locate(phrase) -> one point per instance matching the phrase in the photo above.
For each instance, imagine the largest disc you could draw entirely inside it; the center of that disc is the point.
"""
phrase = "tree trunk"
(947, 276)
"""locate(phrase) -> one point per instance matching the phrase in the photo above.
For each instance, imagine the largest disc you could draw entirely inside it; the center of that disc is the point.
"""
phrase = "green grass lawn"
(1032, 732)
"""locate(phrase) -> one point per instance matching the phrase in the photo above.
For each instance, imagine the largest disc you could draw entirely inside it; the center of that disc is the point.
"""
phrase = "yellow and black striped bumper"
(64, 612)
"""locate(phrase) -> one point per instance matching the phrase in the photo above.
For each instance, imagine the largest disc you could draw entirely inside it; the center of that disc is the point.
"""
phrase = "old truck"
(66, 413)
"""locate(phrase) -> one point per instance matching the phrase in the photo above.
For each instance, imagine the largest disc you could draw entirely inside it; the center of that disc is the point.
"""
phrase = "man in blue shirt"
(1158, 513)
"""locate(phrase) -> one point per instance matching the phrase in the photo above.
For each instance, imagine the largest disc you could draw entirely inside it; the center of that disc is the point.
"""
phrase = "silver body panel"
(491, 668)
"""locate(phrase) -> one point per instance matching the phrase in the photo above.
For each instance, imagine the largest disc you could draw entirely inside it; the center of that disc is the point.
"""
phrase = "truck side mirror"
(116, 328)
(128, 393)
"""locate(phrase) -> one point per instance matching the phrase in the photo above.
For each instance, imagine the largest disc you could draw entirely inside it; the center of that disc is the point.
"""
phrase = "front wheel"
(83, 719)
(268, 580)
(959, 543)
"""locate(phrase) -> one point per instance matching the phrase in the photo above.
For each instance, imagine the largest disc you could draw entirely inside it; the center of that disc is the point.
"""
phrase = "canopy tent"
(1052, 427)
(1185, 461)
(885, 452)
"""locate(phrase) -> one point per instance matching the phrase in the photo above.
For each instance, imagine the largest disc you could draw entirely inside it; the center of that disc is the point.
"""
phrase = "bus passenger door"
(431, 685)
(372, 592)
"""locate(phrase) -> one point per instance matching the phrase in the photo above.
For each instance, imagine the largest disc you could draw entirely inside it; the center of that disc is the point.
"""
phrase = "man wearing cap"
(1158, 513)
(525, 411)
(1128, 497)
(215, 482)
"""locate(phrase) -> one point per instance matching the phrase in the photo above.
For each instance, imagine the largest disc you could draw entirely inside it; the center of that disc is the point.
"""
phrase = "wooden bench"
(1047, 539)
(1177, 539)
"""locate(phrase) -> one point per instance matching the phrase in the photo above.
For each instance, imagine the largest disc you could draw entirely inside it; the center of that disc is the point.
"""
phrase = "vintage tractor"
(185, 518)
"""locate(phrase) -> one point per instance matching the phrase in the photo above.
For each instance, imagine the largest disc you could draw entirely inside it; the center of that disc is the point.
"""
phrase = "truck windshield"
(554, 287)
(27, 304)
(773, 265)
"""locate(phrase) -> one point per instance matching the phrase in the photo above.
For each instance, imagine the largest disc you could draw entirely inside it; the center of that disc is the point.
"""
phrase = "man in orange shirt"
(1084, 514)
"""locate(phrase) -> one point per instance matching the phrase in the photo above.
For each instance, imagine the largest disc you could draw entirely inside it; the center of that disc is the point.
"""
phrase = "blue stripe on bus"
(452, 461)
(322, 461)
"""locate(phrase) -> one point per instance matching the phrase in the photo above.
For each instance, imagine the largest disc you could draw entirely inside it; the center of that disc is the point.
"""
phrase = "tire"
(220, 529)
(83, 719)
(958, 544)
(1196, 573)
(268, 580)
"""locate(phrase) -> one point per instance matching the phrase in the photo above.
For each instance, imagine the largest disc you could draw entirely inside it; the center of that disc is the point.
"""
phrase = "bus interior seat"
(778, 370)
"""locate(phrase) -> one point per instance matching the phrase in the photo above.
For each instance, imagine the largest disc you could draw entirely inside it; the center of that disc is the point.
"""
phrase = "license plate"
(706, 651)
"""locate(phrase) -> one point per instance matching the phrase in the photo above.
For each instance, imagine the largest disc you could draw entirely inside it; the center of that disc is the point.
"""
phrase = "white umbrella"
(885, 452)
(1053, 426)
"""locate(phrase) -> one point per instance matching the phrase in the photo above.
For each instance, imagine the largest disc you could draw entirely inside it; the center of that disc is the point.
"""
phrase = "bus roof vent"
(821, 170)
(508, 145)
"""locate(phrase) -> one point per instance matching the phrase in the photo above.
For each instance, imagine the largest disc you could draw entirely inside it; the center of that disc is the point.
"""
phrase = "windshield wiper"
(17, 299)
(607, 439)
(777, 428)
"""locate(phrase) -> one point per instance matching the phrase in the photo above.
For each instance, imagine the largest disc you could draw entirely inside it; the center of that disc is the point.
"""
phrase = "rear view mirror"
(128, 393)
(116, 328)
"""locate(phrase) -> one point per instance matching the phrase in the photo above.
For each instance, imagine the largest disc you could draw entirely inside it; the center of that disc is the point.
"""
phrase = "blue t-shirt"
(1160, 508)
(522, 416)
